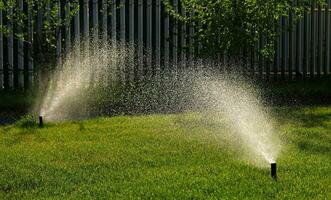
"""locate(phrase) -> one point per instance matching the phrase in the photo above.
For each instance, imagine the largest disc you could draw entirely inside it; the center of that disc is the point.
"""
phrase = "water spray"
(41, 123)
(274, 171)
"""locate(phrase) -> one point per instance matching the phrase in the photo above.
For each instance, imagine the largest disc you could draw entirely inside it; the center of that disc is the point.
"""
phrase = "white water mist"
(239, 102)
(100, 78)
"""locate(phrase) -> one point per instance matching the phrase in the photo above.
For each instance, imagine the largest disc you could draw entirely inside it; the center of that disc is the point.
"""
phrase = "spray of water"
(240, 103)
(103, 79)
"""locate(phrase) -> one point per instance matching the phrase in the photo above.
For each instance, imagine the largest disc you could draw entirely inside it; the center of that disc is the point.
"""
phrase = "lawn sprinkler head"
(41, 123)
(274, 170)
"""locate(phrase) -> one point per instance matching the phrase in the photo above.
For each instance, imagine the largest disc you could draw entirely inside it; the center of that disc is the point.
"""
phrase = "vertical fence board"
(20, 52)
(183, 39)
(1, 54)
(58, 36)
(305, 45)
(149, 33)
(175, 35)
(327, 38)
(30, 46)
(158, 32)
(67, 26)
(77, 30)
(95, 19)
(104, 20)
(298, 48)
(166, 39)
(10, 51)
(319, 38)
(140, 33)
(290, 44)
(283, 62)
(113, 21)
(122, 20)
(313, 41)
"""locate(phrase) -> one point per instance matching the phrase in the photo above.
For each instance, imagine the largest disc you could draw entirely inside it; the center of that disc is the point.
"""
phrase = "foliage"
(231, 25)
(27, 121)
(17, 18)
(162, 157)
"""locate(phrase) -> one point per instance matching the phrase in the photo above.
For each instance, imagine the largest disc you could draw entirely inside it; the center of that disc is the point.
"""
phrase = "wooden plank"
(114, 21)
(298, 47)
(283, 47)
(131, 22)
(327, 66)
(320, 38)
(86, 19)
(166, 39)
(175, 36)
(67, 26)
(305, 45)
(183, 39)
(95, 19)
(158, 32)
(122, 20)
(312, 41)
(1, 54)
(104, 20)
(149, 32)
(277, 51)
(30, 41)
(77, 30)
(192, 41)
(20, 52)
(10, 51)
(58, 36)
(140, 35)
(290, 33)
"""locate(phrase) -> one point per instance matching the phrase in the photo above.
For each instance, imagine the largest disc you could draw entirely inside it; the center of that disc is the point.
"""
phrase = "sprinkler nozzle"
(41, 123)
(274, 170)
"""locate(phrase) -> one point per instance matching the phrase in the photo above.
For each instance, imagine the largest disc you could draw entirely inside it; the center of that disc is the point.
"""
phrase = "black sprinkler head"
(274, 170)
(41, 123)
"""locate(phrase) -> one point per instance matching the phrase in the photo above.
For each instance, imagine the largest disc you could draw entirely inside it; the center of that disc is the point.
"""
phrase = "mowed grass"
(162, 157)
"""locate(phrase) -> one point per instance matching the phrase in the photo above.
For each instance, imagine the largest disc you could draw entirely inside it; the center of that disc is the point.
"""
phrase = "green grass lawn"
(162, 156)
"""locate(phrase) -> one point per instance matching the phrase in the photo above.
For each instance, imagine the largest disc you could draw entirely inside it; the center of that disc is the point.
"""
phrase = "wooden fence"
(303, 51)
